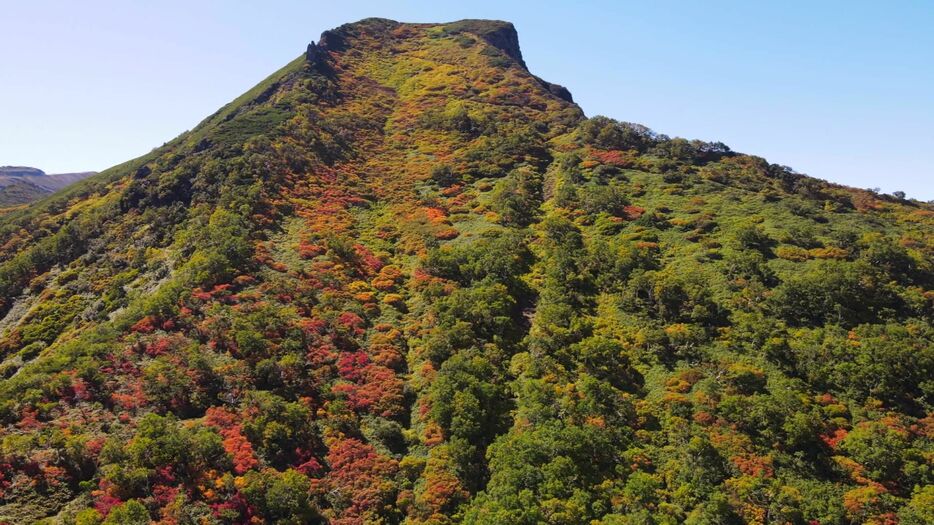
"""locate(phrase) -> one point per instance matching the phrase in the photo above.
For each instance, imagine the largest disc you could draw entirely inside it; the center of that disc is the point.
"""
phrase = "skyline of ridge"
(824, 120)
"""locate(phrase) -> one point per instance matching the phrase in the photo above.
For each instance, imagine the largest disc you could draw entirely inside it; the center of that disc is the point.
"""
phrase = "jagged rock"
(312, 53)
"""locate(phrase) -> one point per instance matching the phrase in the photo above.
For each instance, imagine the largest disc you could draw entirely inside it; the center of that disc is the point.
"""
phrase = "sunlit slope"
(403, 280)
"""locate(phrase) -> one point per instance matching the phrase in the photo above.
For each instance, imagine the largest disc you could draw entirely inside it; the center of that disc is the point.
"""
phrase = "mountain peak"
(497, 33)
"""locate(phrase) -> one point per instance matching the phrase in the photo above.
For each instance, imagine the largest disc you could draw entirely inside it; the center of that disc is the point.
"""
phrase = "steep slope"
(405, 280)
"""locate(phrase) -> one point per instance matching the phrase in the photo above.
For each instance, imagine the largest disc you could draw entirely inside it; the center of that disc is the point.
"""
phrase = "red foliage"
(443, 489)
(388, 356)
(436, 215)
(104, 499)
(612, 157)
(447, 234)
(240, 449)
(146, 325)
(164, 494)
(278, 266)
(370, 264)
(388, 277)
(220, 418)
(238, 504)
(309, 251)
(132, 399)
(379, 391)
(81, 389)
(352, 322)
(235, 443)
(826, 399)
(309, 466)
(29, 419)
(321, 355)
(161, 346)
(633, 212)
(351, 364)
(834, 439)
(453, 190)
(360, 475)
(93, 447)
(313, 326)
(753, 465)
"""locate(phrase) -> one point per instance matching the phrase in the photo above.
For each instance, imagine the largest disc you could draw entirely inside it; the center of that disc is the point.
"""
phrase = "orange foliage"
(235, 443)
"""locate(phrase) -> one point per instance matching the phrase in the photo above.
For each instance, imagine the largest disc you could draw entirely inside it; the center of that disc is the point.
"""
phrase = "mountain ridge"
(404, 280)
(20, 184)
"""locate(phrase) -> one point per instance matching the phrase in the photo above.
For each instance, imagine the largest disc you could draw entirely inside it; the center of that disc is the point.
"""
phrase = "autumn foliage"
(403, 280)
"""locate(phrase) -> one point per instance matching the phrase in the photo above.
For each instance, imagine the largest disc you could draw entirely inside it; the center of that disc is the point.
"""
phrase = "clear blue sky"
(842, 90)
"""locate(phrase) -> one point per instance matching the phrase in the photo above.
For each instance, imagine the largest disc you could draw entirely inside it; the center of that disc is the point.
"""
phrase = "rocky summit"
(404, 280)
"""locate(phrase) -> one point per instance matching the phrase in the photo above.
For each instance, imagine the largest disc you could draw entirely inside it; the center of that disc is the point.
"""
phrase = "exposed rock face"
(336, 39)
(317, 53)
(497, 33)
(311, 54)
(559, 91)
(505, 37)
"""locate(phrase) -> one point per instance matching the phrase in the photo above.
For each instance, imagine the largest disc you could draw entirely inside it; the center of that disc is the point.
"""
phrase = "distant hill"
(22, 184)
(15, 191)
(20, 171)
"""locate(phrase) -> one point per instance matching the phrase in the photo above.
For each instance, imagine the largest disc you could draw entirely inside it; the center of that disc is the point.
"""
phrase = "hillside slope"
(16, 191)
(22, 185)
(403, 280)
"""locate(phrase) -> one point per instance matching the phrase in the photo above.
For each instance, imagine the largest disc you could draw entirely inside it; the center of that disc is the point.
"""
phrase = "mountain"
(20, 171)
(20, 185)
(16, 191)
(404, 280)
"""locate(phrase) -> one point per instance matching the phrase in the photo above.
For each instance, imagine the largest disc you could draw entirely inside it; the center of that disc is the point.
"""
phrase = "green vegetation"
(400, 281)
